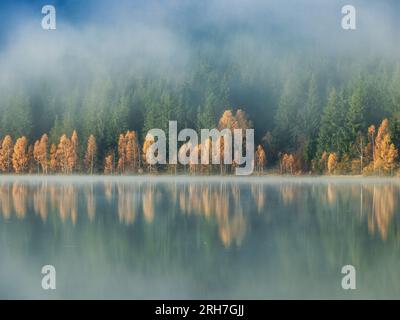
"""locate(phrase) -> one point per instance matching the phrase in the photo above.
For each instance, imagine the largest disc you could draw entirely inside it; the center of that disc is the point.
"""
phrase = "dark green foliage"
(308, 106)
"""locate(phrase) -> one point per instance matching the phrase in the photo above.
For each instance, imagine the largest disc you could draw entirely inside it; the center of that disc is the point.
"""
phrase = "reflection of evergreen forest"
(236, 239)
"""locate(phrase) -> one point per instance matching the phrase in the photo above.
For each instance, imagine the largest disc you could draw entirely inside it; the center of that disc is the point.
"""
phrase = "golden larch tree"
(242, 121)
(73, 152)
(40, 153)
(261, 159)
(53, 163)
(148, 141)
(332, 162)
(43, 152)
(109, 164)
(6, 152)
(31, 159)
(371, 138)
(121, 153)
(132, 151)
(63, 151)
(385, 152)
(36, 154)
(227, 120)
(90, 155)
(20, 156)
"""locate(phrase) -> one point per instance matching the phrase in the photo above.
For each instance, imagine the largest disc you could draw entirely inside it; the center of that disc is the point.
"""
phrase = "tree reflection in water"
(225, 205)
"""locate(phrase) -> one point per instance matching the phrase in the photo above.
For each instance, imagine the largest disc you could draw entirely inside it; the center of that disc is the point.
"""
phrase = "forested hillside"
(309, 93)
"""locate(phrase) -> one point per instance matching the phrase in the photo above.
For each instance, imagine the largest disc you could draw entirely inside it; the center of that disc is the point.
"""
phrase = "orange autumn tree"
(73, 152)
(121, 153)
(6, 152)
(148, 141)
(227, 120)
(43, 152)
(261, 159)
(62, 155)
(90, 155)
(40, 153)
(132, 151)
(371, 138)
(332, 162)
(232, 121)
(53, 158)
(385, 153)
(36, 154)
(109, 164)
(31, 160)
(20, 156)
(288, 163)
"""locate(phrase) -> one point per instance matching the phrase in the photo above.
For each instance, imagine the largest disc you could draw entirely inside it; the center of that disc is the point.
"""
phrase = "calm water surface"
(149, 237)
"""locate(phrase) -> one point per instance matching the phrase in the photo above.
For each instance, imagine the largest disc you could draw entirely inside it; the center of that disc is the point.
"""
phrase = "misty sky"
(125, 36)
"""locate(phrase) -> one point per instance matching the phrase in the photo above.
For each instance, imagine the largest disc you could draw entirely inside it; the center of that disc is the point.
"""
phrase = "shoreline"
(256, 179)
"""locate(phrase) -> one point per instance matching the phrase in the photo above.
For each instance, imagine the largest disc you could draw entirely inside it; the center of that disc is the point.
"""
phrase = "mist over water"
(181, 238)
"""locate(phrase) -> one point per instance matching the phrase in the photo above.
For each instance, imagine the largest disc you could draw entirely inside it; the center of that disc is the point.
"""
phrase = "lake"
(206, 238)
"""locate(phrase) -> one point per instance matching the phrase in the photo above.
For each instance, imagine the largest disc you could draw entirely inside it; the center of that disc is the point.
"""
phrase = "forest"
(317, 127)
(321, 100)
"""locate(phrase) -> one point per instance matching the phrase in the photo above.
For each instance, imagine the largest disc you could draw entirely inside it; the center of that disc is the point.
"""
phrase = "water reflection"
(220, 203)
(166, 238)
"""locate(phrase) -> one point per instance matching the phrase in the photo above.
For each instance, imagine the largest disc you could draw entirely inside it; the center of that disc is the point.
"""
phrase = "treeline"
(131, 157)
(375, 154)
(306, 112)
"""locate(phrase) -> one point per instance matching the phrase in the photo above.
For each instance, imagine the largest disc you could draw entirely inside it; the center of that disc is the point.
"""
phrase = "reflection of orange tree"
(377, 202)
(383, 201)
(287, 192)
(218, 201)
(5, 200)
(19, 194)
(126, 205)
(148, 203)
(258, 196)
(67, 202)
(40, 200)
(90, 202)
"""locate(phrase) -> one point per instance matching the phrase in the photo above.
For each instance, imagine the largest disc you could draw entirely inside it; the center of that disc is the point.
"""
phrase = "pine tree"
(332, 136)
(355, 122)
(312, 120)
